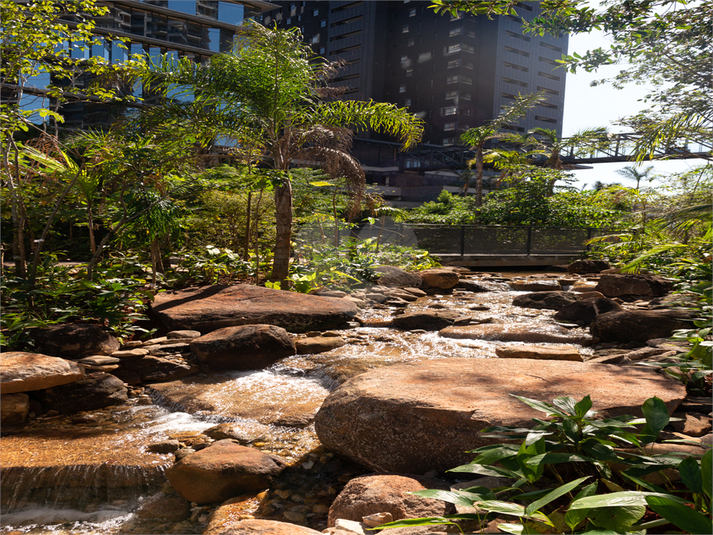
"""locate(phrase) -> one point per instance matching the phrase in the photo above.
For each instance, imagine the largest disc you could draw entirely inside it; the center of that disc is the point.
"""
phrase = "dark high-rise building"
(454, 72)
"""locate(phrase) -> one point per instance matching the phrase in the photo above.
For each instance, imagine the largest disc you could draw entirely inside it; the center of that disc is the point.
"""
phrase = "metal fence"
(459, 240)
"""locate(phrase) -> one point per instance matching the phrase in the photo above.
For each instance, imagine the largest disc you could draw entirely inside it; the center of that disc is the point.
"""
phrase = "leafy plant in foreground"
(582, 454)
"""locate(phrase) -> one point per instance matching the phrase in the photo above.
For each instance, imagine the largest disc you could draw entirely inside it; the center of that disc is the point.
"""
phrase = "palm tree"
(477, 137)
(271, 92)
(633, 173)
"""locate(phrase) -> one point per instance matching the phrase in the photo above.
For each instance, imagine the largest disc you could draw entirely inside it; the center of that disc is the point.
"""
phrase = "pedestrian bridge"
(471, 246)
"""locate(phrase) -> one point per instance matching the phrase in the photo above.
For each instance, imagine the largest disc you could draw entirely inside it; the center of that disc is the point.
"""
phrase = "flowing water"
(91, 473)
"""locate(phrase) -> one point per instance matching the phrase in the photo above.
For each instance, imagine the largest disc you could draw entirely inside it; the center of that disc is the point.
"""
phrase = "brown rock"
(588, 266)
(221, 471)
(394, 277)
(74, 340)
(429, 320)
(412, 418)
(514, 332)
(255, 526)
(209, 308)
(545, 300)
(92, 392)
(245, 347)
(535, 285)
(15, 408)
(584, 311)
(245, 433)
(318, 344)
(637, 325)
(620, 285)
(24, 372)
(442, 279)
(166, 507)
(692, 424)
(182, 335)
(538, 352)
(368, 495)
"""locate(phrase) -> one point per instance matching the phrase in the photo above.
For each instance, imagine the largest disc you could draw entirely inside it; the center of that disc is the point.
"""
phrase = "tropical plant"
(632, 173)
(271, 93)
(581, 452)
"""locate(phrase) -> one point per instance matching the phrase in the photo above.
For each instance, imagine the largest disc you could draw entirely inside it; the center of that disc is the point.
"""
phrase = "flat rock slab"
(214, 307)
(516, 332)
(553, 352)
(417, 417)
(25, 372)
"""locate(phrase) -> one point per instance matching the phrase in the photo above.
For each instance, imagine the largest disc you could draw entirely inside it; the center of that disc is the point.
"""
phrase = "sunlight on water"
(105, 520)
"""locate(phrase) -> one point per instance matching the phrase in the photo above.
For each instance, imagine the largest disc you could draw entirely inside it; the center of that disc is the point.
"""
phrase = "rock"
(514, 332)
(538, 352)
(442, 279)
(92, 392)
(376, 519)
(74, 340)
(584, 286)
(549, 300)
(637, 325)
(588, 266)
(396, 302)
(221, 471)
(245, 347)
(244, 433)
(183, 335)
(584, 311)
(394, 277)
(692, 424)
(24, 372)
(429, 320)
(318, 344)
(348, 527)
(130, 354)
(165, 446)
(256, 526)
(416, 292)
(214, 307)
(14, 408)
(619, 285)
(417, 417)
(152, 369)
(535, 285)
(390, 494)
(99, 360)
(481, 286)
(402, 294)
(165, 507)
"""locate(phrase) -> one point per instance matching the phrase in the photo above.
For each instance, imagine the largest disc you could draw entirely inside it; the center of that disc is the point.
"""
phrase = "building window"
(549, 76)
(288, 21)
(407, 102)
(323, 23)
(404, 59)
(315, 12)
(452, 64)
(466, 80)
(322, 50)
(453, 48)
(410, 42)
(404, 29)
(315, 39)
(450, 110)
(451, 95)
(516, 66)
(402, 89)
(412, 12)
(447, 141)
(545, 119)
(551, 47)
(470, 33)
(449, 126)
(409, 72)
(454, 31)
(468, 48)
(465, 96)
(514, 82)
(517, 51)
(453, 79)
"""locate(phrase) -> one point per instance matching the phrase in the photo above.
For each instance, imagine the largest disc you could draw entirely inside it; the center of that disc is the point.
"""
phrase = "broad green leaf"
(455, 497)
(618, 499)
(571, 429)
(556, 458)
(410, 522)
(493, 471)
(509, 508)
(656, 415)
(515, 529)
(565, 403)
(574, 517)
(706, 474)
(553, 495)
(495, 454)
(599, 452)
(680, 515)
(691, 474)
(619, 519)
(642, 483)
(540, 406)
(583, 407)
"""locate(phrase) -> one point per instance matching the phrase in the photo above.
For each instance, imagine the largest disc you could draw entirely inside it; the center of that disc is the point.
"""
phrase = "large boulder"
(388, 493)
(417, 417)
(638, 325)
(153, 369)
(24, 372)
(534, 285)
(92, 392)
(395, 277)
(246, 347)
(439, 278)
(548, 300)
(221, 471)
(223, 522)
(584, 311)
(588, 266)
(517, 332)
(74, 340)
(318, 344)
(620, 285)
(482, 285)
(551, 352)
(429, 320)
(214, 307)
(15, 408)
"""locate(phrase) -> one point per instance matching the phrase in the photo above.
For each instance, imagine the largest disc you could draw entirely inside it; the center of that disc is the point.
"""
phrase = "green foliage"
(575, 446)
(116, 299)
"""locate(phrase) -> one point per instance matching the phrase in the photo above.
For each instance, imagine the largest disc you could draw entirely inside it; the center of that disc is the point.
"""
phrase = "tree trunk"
(283, 238)
(479, 176)
(246, 245)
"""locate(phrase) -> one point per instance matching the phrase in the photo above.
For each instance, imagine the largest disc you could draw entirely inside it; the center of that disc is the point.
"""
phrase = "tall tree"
(273, 92)
(633, 173)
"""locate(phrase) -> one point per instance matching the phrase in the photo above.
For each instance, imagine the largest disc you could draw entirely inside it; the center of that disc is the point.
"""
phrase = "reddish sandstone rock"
(253, 526)
(515, 332)
(585, 310)
(214, 307)
(538, 352)
(638, 325)
(222, 470)
(413, 418)
(620, 285)
(24, 372)
(74, 340)
(439, 278)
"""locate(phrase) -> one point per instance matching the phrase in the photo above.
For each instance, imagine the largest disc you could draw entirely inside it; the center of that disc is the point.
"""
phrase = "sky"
(588, 107)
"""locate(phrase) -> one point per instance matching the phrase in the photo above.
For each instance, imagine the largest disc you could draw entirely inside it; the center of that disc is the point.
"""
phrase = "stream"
(108, 478)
